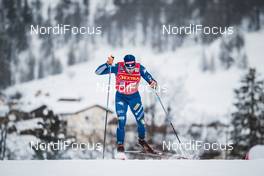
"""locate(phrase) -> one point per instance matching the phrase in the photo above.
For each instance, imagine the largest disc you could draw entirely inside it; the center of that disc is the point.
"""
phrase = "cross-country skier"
(128, 74)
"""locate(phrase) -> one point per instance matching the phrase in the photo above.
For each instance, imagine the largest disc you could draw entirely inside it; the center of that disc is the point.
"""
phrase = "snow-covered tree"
(204, 62)
(3, 135)
(71, 57)
(248, 119)
(53, 131)
(232, 51)
(5, 52)
(225, 57)
(56, 65)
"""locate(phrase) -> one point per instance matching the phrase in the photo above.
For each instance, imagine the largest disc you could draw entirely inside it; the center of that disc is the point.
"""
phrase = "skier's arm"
(147, 76)
(105, 68)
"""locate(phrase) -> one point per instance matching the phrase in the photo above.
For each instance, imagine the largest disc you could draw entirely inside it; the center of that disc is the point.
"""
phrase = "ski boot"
(121, 152)
(120, 148)
(146, 148)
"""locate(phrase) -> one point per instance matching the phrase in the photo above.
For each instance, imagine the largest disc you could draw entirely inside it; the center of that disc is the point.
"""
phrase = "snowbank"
(132, 168)
(256, 152)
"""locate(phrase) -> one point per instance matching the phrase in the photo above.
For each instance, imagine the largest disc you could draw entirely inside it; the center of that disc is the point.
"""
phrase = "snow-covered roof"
(66, 108)
(29, 124)
(61, 107)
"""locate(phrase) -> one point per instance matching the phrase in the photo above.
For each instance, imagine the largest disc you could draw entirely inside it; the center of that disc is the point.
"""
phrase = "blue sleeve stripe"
(101, 69)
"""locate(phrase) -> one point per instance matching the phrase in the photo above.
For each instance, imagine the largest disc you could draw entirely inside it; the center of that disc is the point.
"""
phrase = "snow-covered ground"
(132, 168)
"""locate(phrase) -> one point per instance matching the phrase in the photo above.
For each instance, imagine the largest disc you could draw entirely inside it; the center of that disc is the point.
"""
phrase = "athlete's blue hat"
(130, 61)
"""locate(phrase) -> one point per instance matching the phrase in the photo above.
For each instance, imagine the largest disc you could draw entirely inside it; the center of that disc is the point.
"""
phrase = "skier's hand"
(153, 84)
(110, 60)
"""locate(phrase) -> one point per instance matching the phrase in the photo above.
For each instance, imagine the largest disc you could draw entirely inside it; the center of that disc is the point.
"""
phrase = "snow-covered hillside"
(132, 168)
(194, 96)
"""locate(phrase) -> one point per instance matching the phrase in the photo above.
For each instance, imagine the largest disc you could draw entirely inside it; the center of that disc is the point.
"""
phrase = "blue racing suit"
(122, 101)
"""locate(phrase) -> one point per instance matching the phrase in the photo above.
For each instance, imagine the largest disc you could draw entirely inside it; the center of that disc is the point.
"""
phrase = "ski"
(158, 154)
(138, 152)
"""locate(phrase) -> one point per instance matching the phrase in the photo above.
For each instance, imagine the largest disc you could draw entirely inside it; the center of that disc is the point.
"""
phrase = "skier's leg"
(121, 110)
(137, 109)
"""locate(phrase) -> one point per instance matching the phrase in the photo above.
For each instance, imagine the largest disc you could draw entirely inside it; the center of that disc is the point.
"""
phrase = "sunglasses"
(130, 65)
(130, 68)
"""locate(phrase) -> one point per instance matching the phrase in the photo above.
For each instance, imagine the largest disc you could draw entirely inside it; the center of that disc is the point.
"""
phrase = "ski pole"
(107, 106)
(167, 116)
